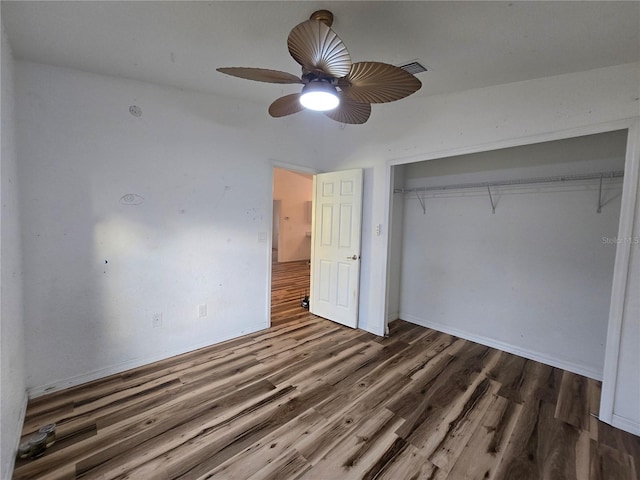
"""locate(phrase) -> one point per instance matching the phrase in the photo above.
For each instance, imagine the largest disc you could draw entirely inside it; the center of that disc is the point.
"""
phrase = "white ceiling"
(465, 44)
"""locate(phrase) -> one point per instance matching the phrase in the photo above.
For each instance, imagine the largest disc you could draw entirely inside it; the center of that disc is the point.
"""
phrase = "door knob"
(355, 257)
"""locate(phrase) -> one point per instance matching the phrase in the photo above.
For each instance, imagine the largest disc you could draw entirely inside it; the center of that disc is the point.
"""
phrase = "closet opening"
(512, 248)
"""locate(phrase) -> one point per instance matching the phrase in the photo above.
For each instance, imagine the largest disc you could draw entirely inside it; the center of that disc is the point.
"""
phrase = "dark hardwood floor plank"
(557, 446)
(346, 410)
(510, 374)
(187, 440)
(68, 472)
(445, 418)
(520, 459)
(319, 366)
(272, 447)
(279, 369)
(135, 431)
(259, 427)
(290, 466)
(486, 447)
(571, 407)
(368, 365)
(43, 414)
(621, 442)
(166, 425)
(89, 413)
(186, 445)
(358, 451)
(451, 386)
(409, 463)
(461, 429)
(611, 464)
(370, 390)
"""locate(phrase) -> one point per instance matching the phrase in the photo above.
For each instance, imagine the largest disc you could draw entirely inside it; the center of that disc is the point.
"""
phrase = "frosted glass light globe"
(319, 96)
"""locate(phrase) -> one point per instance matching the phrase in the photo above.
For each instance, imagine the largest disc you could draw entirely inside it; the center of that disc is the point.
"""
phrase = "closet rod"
(523, 181)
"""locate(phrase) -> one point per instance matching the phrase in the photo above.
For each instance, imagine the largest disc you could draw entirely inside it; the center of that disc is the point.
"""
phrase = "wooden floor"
(289, 284)
(310, 399)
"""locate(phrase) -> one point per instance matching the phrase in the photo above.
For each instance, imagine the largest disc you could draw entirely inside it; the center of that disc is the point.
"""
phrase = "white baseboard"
(493, 343)
(626, 424)
(392, 316)
(34, 392)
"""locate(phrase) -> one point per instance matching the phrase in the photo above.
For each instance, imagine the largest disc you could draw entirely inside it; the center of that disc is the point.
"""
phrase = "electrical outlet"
(156, 320)
(202, 310)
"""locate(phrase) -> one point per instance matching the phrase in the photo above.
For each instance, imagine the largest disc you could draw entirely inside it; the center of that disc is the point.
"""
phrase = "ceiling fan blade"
(376, 82)
(287, 105)
(350, 112)
(319, 49)
(260, 74)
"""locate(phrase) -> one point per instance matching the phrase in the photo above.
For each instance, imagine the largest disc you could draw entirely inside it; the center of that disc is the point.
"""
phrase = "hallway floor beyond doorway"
(289, 283)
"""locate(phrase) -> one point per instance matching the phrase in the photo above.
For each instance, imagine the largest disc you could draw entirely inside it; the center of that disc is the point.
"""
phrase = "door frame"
(294, 168)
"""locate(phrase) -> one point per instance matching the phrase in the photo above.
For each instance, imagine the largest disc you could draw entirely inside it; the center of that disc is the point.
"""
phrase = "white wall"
(295, 191)
(535, 277)
(13, 399)
(97, 270)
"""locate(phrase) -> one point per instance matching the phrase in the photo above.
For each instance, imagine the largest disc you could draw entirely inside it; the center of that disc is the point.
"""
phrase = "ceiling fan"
(343, 90)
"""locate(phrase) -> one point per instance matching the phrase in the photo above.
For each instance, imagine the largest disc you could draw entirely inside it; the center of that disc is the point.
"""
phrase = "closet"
(513, 248)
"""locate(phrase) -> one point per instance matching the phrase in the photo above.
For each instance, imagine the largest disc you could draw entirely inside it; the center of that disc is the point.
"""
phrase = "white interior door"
(335, 256)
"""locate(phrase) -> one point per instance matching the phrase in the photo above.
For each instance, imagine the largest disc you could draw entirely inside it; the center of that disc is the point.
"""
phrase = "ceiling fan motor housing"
(324, 16)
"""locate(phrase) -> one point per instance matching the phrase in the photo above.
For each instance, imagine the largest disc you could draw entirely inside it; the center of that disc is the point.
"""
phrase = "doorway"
(291, 244)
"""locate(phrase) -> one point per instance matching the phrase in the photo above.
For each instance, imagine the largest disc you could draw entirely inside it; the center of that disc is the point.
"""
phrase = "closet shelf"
(522, 181)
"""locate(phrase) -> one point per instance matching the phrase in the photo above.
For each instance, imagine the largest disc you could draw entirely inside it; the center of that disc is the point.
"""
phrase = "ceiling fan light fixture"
(329, 78)
(319, 96)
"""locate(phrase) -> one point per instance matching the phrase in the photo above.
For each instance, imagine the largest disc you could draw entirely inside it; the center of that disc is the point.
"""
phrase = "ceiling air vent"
(413, 67)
